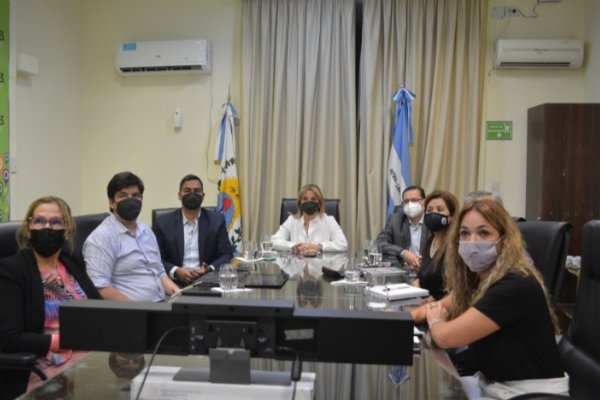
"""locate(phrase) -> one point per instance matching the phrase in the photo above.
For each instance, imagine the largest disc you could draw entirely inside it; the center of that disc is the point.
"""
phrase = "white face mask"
(413, 209)
(478, 256)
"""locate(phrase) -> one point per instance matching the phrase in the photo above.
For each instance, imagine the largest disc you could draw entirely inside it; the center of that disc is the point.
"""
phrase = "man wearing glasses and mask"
(121, 255)
(192, 239)
(405, 233)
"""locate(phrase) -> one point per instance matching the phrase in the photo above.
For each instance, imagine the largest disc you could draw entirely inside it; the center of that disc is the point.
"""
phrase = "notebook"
(203, 285)
(397, 291)
(212, 278)
(271, 279)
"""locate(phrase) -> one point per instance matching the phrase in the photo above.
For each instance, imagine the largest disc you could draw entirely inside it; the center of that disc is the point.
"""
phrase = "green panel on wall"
(4, 157)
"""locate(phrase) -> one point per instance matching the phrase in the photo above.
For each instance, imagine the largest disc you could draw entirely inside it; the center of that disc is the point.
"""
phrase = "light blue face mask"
(480, 255)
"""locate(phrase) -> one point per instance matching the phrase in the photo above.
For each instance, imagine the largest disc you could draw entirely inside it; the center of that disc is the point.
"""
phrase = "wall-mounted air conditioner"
(163, 57)
(525, 53)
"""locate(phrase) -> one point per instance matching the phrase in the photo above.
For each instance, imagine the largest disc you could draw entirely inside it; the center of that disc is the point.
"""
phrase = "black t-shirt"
(524, 347)
(431, 275)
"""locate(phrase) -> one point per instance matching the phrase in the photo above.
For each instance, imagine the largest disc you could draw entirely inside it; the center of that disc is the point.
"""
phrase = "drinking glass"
(249, 250)
(227, 278)
(266, 245)
(367, 243)
(375, 256)
(374, 301)
(352, 272)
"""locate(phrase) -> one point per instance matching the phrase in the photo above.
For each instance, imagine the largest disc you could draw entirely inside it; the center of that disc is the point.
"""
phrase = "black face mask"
(129, 209)
(47, 241)
(436, 221)
(309, 207)
(192, 201)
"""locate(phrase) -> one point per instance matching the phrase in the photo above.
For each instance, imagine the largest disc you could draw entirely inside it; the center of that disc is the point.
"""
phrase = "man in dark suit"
(405, 233)
(192, 240)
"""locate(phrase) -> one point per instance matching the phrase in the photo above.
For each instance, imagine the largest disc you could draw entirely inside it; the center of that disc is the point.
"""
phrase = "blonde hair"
(465, 285)
(22, 235)
(317, 191)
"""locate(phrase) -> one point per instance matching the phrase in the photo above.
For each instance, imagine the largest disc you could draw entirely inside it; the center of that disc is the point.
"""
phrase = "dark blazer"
(22, 311)
(395, 237)
(213, 242)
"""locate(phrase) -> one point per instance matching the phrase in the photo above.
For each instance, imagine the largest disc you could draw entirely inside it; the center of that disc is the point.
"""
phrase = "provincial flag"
(228, 199)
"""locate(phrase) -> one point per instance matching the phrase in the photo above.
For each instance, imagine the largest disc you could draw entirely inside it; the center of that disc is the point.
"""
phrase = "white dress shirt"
(322, 229)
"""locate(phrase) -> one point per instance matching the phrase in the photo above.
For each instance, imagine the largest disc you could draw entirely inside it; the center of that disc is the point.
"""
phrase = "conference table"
(431, 376)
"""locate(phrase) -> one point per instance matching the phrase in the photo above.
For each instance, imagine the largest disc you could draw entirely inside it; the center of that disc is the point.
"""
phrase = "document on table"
(398, 291)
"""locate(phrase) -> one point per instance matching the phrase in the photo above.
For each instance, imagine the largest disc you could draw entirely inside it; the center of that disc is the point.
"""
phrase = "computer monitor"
(266, 328)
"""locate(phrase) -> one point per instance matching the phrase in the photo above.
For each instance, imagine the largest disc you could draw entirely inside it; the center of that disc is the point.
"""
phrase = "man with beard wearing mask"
(121, 255)
(404, 236)
(192, 240)
(33, 284)
(310, 231)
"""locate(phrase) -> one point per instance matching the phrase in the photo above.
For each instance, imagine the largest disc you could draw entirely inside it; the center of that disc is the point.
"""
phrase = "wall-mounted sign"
(498, 130)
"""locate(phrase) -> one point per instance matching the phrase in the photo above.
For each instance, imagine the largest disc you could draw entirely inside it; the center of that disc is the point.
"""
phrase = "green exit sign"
(498, 130)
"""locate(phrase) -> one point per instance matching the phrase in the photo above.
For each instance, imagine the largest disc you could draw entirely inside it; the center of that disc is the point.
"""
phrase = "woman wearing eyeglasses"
(33, 284)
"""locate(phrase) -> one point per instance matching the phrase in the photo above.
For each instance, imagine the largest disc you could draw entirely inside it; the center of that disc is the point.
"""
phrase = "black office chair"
(579, 347)
(84, 225)
(288, 206)
(157, 212)
(547, 242)
(8, 240)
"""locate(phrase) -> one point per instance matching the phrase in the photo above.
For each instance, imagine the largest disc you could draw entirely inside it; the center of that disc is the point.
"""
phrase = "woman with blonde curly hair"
(497, 305)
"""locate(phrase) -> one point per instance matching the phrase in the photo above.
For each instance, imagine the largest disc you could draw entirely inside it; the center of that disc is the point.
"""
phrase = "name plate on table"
(383, 271)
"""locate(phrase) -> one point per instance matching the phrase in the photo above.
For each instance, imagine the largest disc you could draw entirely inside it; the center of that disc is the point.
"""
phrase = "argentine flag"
(228, 199)
(399, 176)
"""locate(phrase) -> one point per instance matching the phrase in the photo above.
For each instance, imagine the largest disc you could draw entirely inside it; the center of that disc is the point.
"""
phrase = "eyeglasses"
(406, 201)
(40, 222)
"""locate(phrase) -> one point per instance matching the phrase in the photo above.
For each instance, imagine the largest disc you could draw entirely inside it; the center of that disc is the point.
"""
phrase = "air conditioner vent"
(163, 57)
(525, 53)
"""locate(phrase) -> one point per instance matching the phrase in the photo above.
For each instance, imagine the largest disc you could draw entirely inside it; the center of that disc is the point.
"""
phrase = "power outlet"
(503, 12)
(512, 11)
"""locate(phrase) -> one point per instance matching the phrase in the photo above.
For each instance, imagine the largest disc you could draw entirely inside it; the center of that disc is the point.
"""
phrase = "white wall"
(128, 121)
(509, 93)
(78, 122)
(592, 77)
(45, 137)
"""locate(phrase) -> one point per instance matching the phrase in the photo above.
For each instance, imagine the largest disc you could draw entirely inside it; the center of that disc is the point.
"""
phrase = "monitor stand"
(229, 376)
(231, 365)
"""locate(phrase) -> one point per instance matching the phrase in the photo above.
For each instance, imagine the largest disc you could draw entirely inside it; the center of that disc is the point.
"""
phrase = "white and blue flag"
(399, 176)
